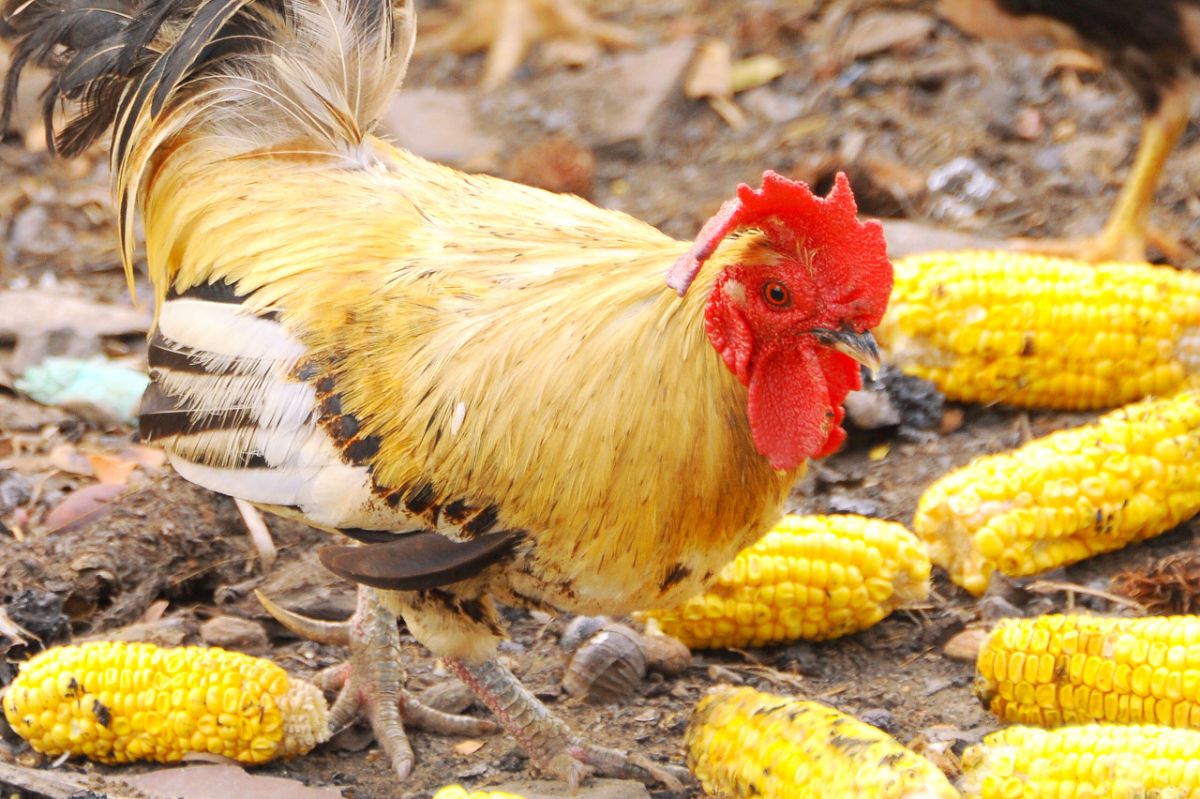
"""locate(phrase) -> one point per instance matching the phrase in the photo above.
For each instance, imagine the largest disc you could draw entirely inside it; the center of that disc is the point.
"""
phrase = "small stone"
(15, 490)
(1027, 124)
(994, 606)
(513, 760)
(879, 717)
(231, 632)
(952, 419)
(40, 613)
(966, 645)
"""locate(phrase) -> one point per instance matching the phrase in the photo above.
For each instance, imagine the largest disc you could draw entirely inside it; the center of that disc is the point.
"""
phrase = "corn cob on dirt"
(1057, 669)
(1132, 474)
(117, 702)
(1032, 330)
(742, 743)
(813, 577)
(1091, 761)
(459, 792)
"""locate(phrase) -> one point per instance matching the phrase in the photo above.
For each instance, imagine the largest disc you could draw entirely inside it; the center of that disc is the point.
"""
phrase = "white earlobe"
(735, 291)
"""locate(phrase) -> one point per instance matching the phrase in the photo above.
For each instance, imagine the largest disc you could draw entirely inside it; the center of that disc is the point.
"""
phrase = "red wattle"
(795, 405)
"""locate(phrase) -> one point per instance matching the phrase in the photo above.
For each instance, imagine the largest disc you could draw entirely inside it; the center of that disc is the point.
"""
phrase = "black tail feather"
(103, 48)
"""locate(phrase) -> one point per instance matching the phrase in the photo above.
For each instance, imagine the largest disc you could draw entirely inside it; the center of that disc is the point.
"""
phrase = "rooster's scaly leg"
(551, 745)
(370, 683)
(507, 29)
(1128, 229)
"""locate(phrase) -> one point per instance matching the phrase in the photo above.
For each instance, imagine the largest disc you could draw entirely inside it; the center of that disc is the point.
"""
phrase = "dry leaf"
(66, 458)
(875, 32)
(43, 310)
(711, 72)
(155, 610)
(222, 782)
(82, 506)
(966, 645)
(149, 458)
(469, 746)
(110, 469)
(757, 70)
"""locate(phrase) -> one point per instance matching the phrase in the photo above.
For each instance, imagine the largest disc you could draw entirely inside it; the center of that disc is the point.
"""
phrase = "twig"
(913, 658)
(41, 784)
(1054, 587)
(260, 534)
(1024, 428)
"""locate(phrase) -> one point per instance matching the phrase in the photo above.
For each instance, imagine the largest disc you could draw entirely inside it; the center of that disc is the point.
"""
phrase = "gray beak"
(859, 346)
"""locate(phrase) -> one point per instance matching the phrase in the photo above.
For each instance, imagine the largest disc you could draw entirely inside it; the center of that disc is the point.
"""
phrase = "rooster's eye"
(777, 294)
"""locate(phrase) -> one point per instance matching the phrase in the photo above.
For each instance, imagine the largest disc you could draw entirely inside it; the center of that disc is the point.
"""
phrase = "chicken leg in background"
(1155, 46)
(508, 29)
(502, 393)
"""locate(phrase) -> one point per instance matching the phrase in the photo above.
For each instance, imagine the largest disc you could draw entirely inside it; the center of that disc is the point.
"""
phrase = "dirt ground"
(1041, 149)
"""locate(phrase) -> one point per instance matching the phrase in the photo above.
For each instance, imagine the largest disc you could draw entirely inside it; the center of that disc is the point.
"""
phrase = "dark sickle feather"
(418, 561)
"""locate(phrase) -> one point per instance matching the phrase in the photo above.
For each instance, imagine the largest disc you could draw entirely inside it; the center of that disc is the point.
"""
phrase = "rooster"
(502, 393)
(507, 29)
(1155, 46)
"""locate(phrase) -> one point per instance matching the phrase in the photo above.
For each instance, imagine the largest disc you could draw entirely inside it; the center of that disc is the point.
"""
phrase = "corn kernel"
(172, 714)
(742, 743)
(1095, 760)
(1100, 672)
(1030, 330)
(1040, 524)
(845, 572)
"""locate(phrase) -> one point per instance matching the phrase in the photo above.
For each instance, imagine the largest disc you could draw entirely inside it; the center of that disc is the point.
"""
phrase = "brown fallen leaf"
(710, 77)
(155, 610)
(879, 31)
(149, 458)
(221, 782)
(82, 506)
(67, 458)
(965, 646)
(41, 310)
(110, 469)
(469, 746)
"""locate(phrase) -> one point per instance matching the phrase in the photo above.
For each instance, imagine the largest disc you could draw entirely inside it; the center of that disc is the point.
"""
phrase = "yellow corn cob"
(459, 792)
(742, 743)
(813, 577)
(117, 702)
(1132, 474)
(1092, 761)
(1058, 669)
(1037, 331)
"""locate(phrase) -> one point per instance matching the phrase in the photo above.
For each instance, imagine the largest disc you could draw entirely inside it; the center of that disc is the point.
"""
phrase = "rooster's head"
(791, 308)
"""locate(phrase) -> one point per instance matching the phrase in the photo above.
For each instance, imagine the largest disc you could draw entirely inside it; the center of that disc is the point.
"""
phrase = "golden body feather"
(512, 348)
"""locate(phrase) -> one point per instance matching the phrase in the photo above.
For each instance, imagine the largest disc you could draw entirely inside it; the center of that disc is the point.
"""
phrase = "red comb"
(785, 210)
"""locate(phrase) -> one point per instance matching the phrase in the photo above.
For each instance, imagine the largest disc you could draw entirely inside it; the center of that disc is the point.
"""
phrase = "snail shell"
(608, 667)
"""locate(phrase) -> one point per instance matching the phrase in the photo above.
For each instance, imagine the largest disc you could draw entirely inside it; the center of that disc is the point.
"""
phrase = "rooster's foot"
(551, 745)
(507, 29)
(1128, 246)
(370, 682)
